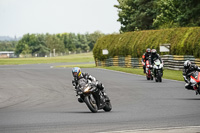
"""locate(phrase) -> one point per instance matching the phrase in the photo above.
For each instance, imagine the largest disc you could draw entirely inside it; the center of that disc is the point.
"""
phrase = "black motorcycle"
(92, 96)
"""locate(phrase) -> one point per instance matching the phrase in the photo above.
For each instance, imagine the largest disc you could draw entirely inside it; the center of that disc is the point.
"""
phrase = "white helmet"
(187, 64)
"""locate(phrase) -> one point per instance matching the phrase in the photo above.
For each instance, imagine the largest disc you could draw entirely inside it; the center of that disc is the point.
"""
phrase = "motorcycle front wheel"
(159, 76)
(91, 103)
(151, 77)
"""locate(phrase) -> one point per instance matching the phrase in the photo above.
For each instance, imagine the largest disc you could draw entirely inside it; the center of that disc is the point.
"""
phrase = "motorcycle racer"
(154, 56)
(145, 57)
(187, 72)
(76, 72)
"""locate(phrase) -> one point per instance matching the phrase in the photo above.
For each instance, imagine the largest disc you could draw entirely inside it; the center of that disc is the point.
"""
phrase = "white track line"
(187, 129)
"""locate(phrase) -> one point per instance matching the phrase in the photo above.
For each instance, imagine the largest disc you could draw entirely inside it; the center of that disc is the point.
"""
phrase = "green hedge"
(184, 41)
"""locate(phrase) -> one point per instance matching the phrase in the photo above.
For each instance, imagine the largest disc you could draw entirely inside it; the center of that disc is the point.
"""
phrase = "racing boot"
(102, 89)
(80, 100)
(105, 96)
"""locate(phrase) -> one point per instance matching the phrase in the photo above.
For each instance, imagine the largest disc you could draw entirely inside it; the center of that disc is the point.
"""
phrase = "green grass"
(79, 65)
(84, 57)
(167, 74)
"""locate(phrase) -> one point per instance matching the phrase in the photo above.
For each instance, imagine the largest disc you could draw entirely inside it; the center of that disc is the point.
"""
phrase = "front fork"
(155, 72)
(92, 99)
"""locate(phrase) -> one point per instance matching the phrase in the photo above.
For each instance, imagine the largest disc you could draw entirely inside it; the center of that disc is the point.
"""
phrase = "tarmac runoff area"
(190, 129)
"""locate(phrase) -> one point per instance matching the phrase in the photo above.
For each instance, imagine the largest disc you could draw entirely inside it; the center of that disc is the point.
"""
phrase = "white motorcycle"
(158, 70)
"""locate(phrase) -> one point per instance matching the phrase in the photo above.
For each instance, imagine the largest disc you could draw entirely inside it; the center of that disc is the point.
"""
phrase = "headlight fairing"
(87, 89)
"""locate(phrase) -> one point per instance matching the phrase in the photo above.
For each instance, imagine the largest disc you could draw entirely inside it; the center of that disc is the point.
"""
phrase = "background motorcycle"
(158, 70)
(195, 81)
(148, 71)
(92, 96)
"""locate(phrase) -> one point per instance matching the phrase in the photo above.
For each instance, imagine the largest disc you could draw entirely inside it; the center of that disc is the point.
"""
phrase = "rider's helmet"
(187, 64)
(148, 51)
(153, 51)
(76, 72)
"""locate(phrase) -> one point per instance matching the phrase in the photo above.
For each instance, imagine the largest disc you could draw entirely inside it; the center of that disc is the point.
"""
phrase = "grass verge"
(79, 65)
(84, 57)
(167, 74)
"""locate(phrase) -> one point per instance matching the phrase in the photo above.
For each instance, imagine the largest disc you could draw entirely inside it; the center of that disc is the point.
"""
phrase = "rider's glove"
(143, 63)
(73, 83)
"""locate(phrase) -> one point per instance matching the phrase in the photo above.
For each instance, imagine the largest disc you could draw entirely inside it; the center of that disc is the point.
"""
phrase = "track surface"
(39, 98)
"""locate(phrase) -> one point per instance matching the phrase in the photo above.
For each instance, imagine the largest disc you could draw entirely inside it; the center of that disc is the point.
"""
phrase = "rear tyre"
(108, 107)
(91, 103)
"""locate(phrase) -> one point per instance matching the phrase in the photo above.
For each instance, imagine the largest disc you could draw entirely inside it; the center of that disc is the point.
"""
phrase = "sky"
(19, 17)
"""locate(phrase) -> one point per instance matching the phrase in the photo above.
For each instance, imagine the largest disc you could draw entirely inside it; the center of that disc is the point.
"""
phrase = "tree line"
(7, 45)
(157, 14)
(44, 44)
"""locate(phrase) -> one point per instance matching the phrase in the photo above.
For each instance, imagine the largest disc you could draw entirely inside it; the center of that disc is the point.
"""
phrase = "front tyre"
(159, 76)
(91, 103)
(160, 79)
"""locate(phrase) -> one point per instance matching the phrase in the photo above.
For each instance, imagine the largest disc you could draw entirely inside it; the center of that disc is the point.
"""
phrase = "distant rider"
(187, 72)
(145, 57)
(76, 72)
(154, 56)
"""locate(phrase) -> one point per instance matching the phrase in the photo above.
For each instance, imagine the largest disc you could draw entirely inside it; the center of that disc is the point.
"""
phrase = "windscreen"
(82, 82)
(157, 62)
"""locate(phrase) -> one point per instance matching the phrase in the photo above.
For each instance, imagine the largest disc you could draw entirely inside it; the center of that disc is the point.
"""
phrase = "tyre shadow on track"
(188, 99)
(82, 112)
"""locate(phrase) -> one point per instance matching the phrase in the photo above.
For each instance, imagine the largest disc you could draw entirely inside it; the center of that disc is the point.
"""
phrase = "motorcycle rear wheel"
(108, 107)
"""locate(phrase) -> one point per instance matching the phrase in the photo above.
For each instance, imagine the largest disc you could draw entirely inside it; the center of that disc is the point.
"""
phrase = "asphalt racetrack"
(40, 99)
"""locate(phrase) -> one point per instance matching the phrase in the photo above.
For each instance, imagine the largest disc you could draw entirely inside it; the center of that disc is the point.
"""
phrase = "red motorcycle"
(148, 71)
(195, 81)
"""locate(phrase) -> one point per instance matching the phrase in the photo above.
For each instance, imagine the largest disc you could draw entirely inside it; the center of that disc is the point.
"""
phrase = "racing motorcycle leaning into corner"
(191, 75)
(88, 91)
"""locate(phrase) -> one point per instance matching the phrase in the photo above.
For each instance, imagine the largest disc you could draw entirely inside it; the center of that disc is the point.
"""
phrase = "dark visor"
(75, 73)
